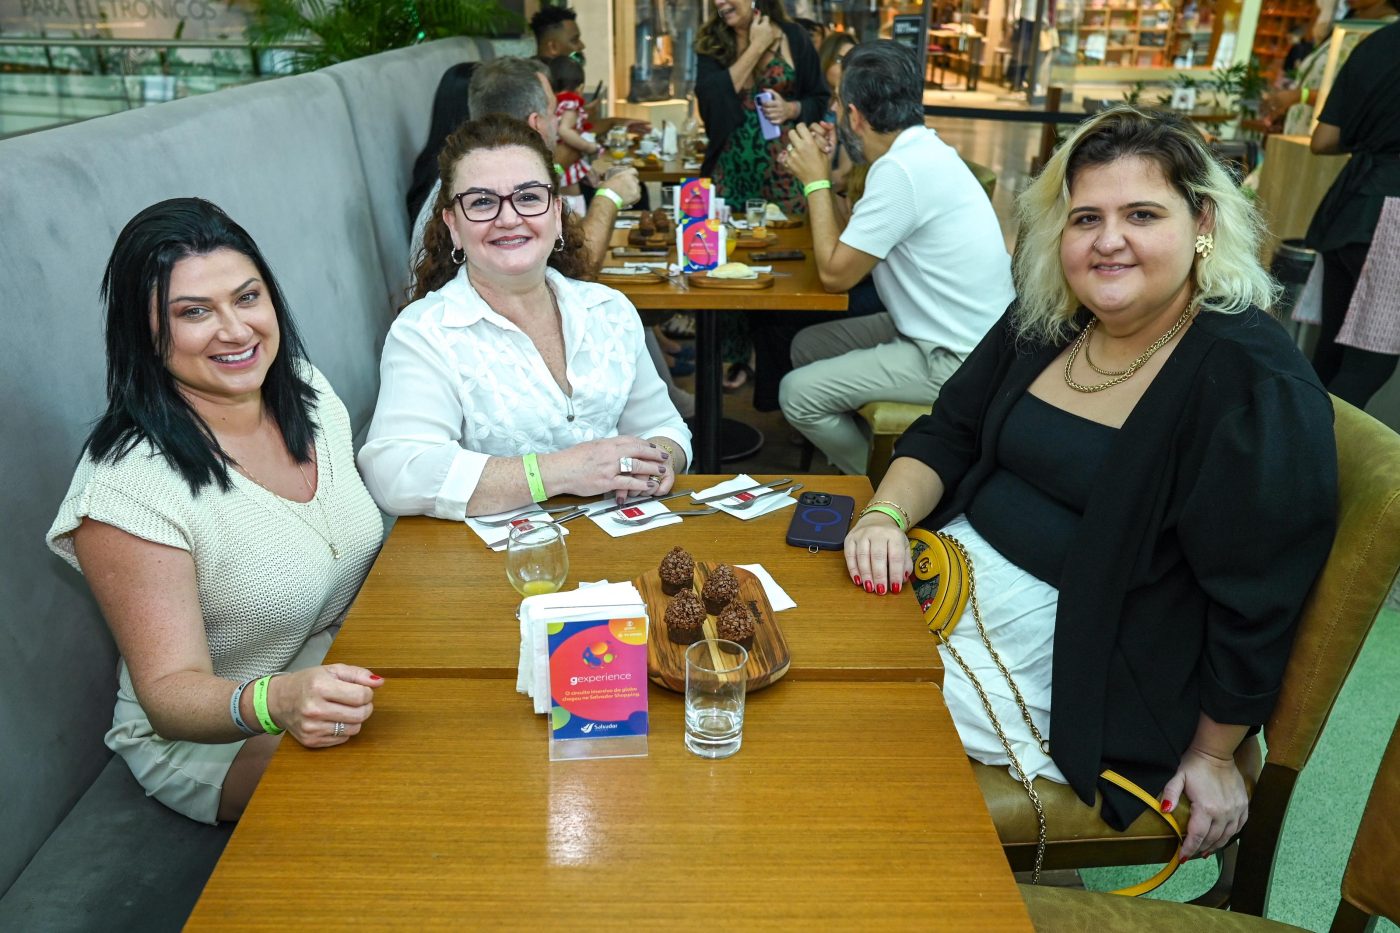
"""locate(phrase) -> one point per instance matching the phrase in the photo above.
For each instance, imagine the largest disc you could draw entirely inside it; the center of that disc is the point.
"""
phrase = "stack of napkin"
(602, 601)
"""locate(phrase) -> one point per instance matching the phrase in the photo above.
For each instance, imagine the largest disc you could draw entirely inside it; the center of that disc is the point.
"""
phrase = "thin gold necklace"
(1082, 342)
(325, 519)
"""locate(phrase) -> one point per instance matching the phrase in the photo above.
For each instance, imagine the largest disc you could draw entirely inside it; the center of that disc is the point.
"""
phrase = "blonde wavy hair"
(1230, 280)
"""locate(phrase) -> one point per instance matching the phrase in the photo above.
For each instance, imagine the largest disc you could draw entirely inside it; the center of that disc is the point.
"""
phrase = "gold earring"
(1205, 245)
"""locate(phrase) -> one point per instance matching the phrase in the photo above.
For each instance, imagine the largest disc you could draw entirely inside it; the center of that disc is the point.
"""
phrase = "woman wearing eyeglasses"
(507, 379)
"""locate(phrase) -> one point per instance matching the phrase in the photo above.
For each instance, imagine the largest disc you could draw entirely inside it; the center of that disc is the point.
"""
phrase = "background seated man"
(925, 228)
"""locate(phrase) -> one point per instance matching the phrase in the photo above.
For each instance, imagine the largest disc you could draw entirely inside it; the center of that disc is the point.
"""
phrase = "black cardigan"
(722, 109)
(1212, 515)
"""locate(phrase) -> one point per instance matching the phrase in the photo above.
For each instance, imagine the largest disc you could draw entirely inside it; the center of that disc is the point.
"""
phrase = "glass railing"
(50, 81)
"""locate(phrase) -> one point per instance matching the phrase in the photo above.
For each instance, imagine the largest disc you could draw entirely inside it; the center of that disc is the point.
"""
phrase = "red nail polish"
(880, 589)
(1166, 806)
(898, 587)
(856, 577)
(869, 587)
(375, 677)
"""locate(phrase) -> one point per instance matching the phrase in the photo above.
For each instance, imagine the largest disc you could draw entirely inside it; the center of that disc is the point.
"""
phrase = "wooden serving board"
(703, 280)
(656, 240)
(769, 658)
(756, 242)
(784, 224)
(642, 278)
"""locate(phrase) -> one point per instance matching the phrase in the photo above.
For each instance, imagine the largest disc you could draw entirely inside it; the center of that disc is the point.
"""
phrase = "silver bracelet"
(233, 708)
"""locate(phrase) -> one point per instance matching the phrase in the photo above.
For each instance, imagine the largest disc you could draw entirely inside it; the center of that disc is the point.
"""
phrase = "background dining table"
(797, 286)
(851, 802)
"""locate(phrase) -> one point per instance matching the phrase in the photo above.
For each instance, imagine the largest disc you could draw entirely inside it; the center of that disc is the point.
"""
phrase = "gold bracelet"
(894, 505)
(666, 446)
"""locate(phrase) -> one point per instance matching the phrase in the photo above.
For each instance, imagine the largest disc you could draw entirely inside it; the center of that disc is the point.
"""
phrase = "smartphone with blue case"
(820, 521)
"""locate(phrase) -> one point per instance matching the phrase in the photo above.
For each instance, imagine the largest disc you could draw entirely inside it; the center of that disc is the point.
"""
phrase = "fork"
(499, 522)
(643, 519)
(748, 503)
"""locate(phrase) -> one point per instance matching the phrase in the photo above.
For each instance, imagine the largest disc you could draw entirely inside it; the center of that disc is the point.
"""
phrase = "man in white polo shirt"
(926, 229)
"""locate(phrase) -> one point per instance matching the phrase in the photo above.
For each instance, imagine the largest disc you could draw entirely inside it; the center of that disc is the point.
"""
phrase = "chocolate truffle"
(685, 618)
(736, 623)
(677, 571)
(720, 588)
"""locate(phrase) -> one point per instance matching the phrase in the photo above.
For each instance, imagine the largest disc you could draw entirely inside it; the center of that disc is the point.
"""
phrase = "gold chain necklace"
(1122, 375)
(325, 519)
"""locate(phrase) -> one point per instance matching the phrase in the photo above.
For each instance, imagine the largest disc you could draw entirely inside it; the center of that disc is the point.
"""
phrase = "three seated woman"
(1138, 461)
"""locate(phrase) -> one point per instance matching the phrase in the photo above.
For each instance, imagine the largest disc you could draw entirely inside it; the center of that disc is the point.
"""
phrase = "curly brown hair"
(718, 41)
(434, 267)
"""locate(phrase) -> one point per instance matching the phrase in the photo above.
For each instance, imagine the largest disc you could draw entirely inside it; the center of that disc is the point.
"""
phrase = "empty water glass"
(716, 679)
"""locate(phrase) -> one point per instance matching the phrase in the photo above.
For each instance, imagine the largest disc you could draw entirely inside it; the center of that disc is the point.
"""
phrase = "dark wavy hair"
(143, 401)
(435, 267)
(718, 41)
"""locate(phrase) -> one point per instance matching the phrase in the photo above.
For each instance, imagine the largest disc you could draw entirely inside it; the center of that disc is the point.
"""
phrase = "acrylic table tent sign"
(588, 650)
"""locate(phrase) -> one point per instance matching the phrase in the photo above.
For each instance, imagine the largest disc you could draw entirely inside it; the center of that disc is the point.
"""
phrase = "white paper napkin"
(619, 530)
(763, 507)
(777, 596)
(647, 266)
(495, 536)
(626, 223)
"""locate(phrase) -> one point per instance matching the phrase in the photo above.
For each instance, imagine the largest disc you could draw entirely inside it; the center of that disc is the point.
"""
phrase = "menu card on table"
(583, 659)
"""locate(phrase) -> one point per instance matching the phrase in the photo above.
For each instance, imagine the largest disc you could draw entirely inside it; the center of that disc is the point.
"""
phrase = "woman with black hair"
(450, 110)
(217, 515)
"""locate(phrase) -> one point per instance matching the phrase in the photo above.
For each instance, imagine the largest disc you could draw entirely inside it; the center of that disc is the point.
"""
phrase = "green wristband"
(886, 510)
(260, 705)
(533, 477)
(612, 196)
(817, 185)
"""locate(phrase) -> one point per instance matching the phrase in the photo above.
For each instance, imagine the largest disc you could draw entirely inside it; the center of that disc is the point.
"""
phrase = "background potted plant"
(340, 30)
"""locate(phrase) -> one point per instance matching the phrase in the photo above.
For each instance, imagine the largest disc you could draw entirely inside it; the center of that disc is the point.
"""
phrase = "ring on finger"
(338, 730)
(624, 465)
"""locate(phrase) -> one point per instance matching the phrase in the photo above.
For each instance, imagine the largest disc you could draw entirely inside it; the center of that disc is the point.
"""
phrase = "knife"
(675, 495)
(735, 492)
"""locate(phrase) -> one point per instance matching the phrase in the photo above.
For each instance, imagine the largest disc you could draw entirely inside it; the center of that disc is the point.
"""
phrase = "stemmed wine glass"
(536, 559)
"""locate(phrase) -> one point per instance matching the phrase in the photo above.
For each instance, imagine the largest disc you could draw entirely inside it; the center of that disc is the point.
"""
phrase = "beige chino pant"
(842, 365)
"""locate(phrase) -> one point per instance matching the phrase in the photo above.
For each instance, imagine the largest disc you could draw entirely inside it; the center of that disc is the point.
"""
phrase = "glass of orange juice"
(536, 559)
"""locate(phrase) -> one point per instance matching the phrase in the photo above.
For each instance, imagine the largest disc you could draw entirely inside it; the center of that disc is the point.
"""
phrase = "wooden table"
(848, 805)
(798, 287)
(437, 602)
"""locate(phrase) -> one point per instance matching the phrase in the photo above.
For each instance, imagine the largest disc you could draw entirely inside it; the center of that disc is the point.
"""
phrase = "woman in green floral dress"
(746, 47)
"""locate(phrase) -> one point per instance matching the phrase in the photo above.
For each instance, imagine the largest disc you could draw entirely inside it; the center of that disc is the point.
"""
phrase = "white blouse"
(460, 384)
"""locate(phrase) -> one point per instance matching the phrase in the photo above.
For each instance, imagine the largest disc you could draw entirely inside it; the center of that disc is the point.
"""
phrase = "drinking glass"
(716, 679)
(753, 211)
(536, 559)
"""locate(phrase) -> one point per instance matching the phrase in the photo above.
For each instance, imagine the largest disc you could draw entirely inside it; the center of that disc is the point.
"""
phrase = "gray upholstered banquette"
(316, 167)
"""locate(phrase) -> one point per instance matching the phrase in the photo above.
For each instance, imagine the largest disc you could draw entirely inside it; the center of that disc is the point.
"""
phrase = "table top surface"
(797, 285)
(848, 805)
(437, 602)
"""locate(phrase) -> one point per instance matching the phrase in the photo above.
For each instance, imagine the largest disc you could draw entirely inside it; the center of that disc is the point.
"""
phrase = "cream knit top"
(267, 578)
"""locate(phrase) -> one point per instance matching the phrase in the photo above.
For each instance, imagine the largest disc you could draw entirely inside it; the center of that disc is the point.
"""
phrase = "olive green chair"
(1368, 886)
(1337, 615)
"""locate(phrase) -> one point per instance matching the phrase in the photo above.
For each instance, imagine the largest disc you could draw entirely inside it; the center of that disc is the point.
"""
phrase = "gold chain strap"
(1041, 835)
